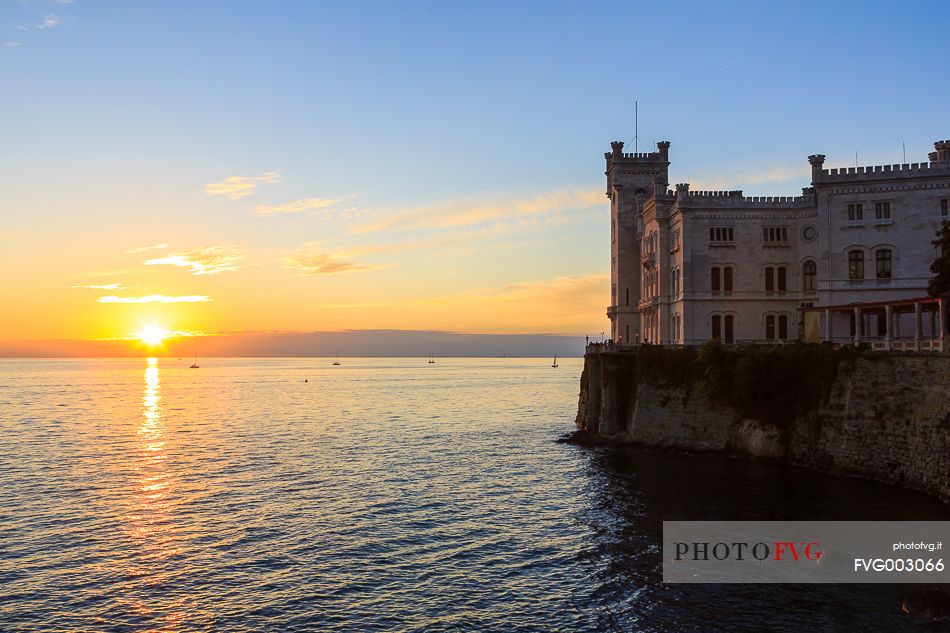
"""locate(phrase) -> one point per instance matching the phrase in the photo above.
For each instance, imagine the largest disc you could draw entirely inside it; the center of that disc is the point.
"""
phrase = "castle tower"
(942, 155)
(631, 179)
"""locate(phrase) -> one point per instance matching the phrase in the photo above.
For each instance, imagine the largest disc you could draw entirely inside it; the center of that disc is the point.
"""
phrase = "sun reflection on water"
(151, 526)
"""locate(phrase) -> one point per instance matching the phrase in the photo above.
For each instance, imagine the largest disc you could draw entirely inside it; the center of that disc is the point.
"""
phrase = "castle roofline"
(939, 166)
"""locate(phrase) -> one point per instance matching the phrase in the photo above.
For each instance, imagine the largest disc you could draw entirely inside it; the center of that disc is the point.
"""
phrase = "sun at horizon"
(152, 335)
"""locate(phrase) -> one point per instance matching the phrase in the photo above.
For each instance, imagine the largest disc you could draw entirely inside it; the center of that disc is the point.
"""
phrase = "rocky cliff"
(880, 416)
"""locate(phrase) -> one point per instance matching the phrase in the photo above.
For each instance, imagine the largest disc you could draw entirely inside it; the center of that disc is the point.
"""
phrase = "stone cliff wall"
(882, 417)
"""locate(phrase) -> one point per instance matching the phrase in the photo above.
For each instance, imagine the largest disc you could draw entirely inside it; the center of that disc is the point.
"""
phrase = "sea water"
(380, 494)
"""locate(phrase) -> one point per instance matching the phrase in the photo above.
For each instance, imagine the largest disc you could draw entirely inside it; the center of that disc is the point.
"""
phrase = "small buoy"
(305, 380)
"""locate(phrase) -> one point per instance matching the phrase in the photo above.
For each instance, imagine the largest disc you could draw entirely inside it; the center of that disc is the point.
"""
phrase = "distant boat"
(554, 364)
(430, 359)
(195, 365)
(337, 361)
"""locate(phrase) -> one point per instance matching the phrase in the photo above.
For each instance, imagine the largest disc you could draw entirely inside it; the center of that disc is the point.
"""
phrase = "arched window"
(716, 326)
(883, 261)
(810, 276)
(783, 327)
(727, 278)
(770, 327)
(714, 279)
(855, 265)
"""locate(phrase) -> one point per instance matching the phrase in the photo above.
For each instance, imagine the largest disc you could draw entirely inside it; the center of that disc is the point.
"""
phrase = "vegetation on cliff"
(940, 282)
(772, 383)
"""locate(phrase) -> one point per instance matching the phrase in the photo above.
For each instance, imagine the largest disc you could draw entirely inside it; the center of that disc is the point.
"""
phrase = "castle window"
(716, 326)
(775, 234)
(769, 279)
(855, 265)
(882, 210)
(945, 207)
(714, 279)
(855, 212)
(782, 273)
(883, 261)
(727, 278)
(809, 276)
(627, 292)
(720, 234)
(729, 330)
(770, 327)
(783, 327)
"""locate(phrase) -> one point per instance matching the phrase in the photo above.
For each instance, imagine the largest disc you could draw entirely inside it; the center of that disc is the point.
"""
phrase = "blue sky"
(117, 115)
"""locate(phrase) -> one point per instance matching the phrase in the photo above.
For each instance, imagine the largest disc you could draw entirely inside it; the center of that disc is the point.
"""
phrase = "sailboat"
(337, 361)
(554, 364)
(195, 365)
(430, 359)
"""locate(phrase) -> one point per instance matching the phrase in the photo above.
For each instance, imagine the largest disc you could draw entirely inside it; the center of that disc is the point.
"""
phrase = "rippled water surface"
(383, 494)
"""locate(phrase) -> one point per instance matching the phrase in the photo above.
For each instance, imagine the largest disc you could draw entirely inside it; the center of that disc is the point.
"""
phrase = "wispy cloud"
(63, 1)
(155, 299)
(11, 44)
(310, 260)
(203, 261)
(125, 272)
(314, 258)
(769, 174)
(235, 187)
(100, 286)
(471, 211)
(153, 247)
(297, 206)
(562, 304)
(564, 295)
(49, 21)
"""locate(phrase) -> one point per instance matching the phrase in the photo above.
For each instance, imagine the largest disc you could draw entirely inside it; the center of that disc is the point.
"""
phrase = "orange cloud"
(100, 286)
(309, 261)
(561, 304)
(202, 261)
(234, 187)
(153, 247)
(297, 206)
(455, 213)
(771, 174)
(155, 299)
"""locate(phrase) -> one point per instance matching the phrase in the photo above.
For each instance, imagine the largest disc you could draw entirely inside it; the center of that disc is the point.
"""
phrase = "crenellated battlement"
(715, 194)
(735, 200)
(881, 172)
(617, 154)
(646, 157)
(636, 170)
(942, 153)
(939, 165)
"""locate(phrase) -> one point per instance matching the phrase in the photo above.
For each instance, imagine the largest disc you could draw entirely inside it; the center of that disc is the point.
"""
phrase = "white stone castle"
(847, 261)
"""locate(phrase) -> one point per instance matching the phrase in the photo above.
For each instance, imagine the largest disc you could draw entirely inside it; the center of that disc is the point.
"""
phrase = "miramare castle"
(847, 261)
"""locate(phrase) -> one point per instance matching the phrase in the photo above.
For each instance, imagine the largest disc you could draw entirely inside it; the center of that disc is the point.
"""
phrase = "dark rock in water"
(927, 605)
(583, 438)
